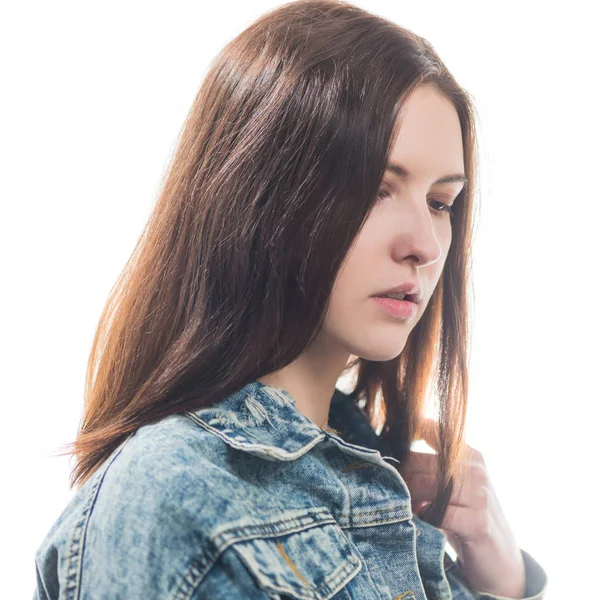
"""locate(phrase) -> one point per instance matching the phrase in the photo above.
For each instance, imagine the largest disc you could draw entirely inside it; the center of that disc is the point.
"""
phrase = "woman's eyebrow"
(401, 172)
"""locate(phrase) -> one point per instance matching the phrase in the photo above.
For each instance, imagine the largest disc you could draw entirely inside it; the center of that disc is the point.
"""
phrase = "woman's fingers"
(428, 431)
(472, 490)
(422, 487)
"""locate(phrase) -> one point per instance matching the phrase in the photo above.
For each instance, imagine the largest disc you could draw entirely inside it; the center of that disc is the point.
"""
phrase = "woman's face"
(407, 235)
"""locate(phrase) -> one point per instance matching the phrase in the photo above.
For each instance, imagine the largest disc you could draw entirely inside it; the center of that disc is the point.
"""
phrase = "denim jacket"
(250, 499)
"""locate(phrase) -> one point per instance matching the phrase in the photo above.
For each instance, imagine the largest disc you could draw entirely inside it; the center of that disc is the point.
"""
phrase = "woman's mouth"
(401, 309)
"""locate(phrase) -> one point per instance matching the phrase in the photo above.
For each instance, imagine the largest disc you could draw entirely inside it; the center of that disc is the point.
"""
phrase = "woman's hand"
(488, 556)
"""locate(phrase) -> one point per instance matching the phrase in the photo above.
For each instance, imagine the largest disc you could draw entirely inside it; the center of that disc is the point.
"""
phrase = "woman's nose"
(419, 238)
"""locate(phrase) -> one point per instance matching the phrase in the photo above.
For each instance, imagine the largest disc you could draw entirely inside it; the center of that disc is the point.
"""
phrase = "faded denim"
(250, 499)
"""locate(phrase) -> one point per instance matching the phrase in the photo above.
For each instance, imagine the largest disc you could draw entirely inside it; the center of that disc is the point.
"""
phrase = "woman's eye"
(442, 207)
(438, 206)
(382, 193)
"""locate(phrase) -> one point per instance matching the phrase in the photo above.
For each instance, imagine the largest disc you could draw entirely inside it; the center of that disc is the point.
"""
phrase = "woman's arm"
(350, 421)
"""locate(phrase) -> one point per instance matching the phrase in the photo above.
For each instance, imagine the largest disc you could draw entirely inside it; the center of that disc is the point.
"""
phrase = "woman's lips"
(401, 309)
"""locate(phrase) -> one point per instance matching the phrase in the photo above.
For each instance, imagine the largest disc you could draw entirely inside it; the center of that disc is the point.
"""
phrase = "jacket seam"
(76, 546)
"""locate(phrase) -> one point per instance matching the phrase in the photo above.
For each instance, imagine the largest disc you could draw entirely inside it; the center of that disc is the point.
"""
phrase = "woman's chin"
(381, 352)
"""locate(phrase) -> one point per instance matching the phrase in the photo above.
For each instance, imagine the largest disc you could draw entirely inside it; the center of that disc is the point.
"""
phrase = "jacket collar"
(263, 420)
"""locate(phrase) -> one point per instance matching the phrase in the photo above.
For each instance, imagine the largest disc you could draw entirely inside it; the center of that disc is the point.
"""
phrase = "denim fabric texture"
(251, 499)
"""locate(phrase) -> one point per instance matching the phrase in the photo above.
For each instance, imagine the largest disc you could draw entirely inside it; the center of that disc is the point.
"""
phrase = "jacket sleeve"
(535, 586)
(136, 529)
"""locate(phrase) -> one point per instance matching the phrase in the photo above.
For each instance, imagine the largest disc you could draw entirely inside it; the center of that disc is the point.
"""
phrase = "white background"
(93, 97)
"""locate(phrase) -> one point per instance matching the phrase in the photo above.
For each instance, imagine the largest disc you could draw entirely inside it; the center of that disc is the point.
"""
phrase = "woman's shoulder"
(173, 450)
(165, 467)
(155, 505)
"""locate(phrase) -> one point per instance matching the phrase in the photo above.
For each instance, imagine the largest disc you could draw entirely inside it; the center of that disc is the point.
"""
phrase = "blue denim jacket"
(250, 499)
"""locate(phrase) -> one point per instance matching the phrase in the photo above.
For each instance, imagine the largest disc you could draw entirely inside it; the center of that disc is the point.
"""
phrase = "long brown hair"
(277, 167)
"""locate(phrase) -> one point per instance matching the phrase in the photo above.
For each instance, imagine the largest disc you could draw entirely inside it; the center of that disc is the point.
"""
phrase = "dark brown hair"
(276, 169)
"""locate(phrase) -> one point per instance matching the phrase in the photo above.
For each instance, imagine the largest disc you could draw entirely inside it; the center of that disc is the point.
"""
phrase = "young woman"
(315, 222)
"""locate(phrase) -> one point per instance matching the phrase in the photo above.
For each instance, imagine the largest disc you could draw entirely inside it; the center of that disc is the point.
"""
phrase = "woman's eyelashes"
(441, 207)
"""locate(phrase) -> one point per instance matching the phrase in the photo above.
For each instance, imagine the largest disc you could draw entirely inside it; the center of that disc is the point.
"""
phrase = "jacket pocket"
(313, 563)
